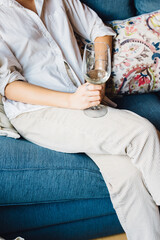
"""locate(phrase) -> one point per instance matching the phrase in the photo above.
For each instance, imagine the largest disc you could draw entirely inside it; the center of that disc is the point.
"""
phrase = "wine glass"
(96, 69)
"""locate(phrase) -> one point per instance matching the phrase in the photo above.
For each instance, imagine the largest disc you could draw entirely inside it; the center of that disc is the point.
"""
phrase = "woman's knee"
(145, 130)
(149, 134)
(148, 127)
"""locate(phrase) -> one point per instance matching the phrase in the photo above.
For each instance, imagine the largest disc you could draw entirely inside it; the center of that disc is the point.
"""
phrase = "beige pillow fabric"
(6, 128)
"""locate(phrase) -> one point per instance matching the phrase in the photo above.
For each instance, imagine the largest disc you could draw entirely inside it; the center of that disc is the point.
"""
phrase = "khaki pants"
(125, 147)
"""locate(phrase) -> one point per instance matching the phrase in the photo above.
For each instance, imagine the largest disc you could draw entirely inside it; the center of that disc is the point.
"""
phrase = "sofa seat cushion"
(85, 229)
(32, 174)
(37, 216)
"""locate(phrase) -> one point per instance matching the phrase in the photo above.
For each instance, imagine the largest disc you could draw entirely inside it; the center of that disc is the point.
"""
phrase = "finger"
(94, 87)
(93, 93)
(92, 104)
(93, 99)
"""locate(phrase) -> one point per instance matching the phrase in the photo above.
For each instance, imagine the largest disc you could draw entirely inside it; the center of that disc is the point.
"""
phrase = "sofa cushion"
(146, 6)
(33, 174)
(82, 229)
(136, 54)
(109, 9)
(51, 214)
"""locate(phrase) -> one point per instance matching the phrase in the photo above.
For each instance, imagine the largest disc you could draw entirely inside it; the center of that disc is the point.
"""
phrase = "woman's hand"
(87, 95)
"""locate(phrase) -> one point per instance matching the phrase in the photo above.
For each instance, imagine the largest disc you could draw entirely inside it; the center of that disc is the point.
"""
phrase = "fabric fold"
(6, 128)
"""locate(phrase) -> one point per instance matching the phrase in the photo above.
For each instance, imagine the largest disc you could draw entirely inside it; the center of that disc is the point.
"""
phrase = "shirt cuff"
(102, 31)
(14, 76)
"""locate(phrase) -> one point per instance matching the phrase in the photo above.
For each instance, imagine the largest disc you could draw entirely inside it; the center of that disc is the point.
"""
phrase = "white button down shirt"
(33, 47)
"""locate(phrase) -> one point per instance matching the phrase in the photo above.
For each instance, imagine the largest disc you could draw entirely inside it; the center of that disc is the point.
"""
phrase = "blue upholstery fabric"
(44, 215)
(145, 6)
(112, 9)
(32, 174)
(83, 229)
(146, 105)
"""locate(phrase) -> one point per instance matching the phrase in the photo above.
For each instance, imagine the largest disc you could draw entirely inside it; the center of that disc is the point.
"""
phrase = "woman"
(46, 106)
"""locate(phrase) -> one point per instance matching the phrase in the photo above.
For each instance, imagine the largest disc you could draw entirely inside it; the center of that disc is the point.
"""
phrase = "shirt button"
(47, 35)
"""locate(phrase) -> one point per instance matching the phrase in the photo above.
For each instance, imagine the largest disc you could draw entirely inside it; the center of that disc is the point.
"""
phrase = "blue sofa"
(50, 195)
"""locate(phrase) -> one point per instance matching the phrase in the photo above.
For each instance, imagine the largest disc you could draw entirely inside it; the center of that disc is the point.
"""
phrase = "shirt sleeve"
(85, 21)
(10, 69)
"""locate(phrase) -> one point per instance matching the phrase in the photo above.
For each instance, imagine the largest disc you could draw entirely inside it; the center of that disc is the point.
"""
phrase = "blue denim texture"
(146, 6)
(146, 105)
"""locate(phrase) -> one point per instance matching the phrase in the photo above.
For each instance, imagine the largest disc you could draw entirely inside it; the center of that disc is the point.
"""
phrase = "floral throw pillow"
(136, 54)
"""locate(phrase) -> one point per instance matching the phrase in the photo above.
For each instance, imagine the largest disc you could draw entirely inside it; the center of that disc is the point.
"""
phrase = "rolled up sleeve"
(85, 21)
(10, 69)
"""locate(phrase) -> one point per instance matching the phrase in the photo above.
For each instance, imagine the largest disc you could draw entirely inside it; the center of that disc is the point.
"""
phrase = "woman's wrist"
(69, 100)
(61, 99)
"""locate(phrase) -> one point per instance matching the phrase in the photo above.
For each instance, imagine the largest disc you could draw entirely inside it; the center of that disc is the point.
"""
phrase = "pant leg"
(71, 131)
(119, 132)
(135, 208)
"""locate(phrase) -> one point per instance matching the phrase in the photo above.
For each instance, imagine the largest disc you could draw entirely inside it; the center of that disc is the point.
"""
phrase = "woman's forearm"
(28, 93)
(84, 97)
(107, 40)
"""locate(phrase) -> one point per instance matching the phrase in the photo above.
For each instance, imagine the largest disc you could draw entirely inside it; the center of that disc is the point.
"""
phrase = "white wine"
(96, 70)
(97, 76)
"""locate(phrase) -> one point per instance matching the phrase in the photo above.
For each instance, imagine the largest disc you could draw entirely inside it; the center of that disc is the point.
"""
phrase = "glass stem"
(96, 107)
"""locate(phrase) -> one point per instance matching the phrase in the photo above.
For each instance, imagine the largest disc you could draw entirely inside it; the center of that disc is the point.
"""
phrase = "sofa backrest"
(145, 6)
(112, 9)
(121, 9)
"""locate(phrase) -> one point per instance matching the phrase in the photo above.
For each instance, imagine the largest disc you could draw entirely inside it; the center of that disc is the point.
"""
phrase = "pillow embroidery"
(136, 54)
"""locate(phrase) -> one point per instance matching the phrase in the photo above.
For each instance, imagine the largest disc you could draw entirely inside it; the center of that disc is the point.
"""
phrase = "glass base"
(96, 112)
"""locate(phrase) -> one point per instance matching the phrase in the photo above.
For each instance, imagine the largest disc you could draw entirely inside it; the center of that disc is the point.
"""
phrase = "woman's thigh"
(145, 105)
(71, 131)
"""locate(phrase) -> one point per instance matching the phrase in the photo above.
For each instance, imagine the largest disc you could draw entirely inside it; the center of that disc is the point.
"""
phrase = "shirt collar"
(11, 3)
